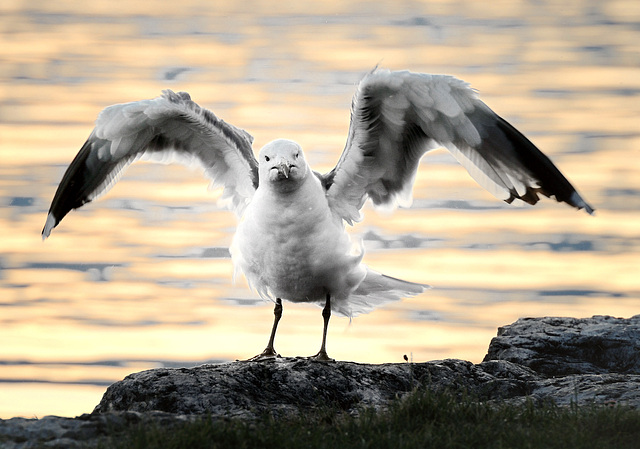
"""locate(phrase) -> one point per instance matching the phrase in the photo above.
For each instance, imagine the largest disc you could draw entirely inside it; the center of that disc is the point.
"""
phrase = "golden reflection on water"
(142, 278)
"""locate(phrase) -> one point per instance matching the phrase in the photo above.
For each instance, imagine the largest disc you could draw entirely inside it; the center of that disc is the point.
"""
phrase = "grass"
(423, 419)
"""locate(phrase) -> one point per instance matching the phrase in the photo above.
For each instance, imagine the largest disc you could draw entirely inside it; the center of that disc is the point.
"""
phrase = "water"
(142, 278)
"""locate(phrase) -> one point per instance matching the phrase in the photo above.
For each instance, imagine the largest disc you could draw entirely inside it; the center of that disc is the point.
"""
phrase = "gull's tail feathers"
(375, 290)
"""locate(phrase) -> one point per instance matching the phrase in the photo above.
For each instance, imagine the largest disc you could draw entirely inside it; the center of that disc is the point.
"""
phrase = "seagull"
(291, 241)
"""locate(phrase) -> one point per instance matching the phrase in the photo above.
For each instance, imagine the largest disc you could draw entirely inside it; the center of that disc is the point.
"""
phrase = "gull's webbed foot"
(267, 354)
(321, 356)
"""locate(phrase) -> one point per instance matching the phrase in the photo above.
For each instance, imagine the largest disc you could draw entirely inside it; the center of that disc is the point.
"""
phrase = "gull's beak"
(283, 169)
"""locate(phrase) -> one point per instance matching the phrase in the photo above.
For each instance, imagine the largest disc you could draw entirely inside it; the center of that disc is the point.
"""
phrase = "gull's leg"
(322, 356)
(269, 351)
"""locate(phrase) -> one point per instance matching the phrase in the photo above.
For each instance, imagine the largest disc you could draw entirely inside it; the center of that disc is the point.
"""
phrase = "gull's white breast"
(292, 247)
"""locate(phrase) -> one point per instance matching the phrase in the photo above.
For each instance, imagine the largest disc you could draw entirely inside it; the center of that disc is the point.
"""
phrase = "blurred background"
(142, 278)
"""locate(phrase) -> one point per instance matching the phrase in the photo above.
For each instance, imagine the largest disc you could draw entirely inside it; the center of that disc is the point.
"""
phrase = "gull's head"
(282, 163)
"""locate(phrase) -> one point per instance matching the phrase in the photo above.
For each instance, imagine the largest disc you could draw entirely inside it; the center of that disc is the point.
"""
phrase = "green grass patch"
(423, 419)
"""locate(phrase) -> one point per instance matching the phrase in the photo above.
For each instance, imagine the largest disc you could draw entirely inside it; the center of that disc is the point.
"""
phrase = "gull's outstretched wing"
(170, 128)
(398, 116)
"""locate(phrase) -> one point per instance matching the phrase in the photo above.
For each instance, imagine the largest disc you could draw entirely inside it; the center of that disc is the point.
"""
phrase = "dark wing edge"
(396, 117)
(551, 181)
(169, 128)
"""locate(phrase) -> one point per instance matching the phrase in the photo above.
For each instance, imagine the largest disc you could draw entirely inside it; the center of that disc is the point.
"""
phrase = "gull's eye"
(296, 155)
(267, 158)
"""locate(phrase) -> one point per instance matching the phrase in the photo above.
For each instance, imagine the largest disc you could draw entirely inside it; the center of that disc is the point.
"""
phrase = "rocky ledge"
(565, 360)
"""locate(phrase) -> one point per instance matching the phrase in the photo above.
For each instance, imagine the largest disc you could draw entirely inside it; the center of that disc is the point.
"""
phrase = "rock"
(582, 389)
(563, 346)
(293, 385)
(565, 360)
(590, 360)
(84, 431)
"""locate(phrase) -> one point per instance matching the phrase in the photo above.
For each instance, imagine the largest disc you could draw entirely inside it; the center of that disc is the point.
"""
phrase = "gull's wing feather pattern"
(396, 117)
(169, 128)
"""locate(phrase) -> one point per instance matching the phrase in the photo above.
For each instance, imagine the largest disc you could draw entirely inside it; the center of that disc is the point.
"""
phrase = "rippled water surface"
(142, 277)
